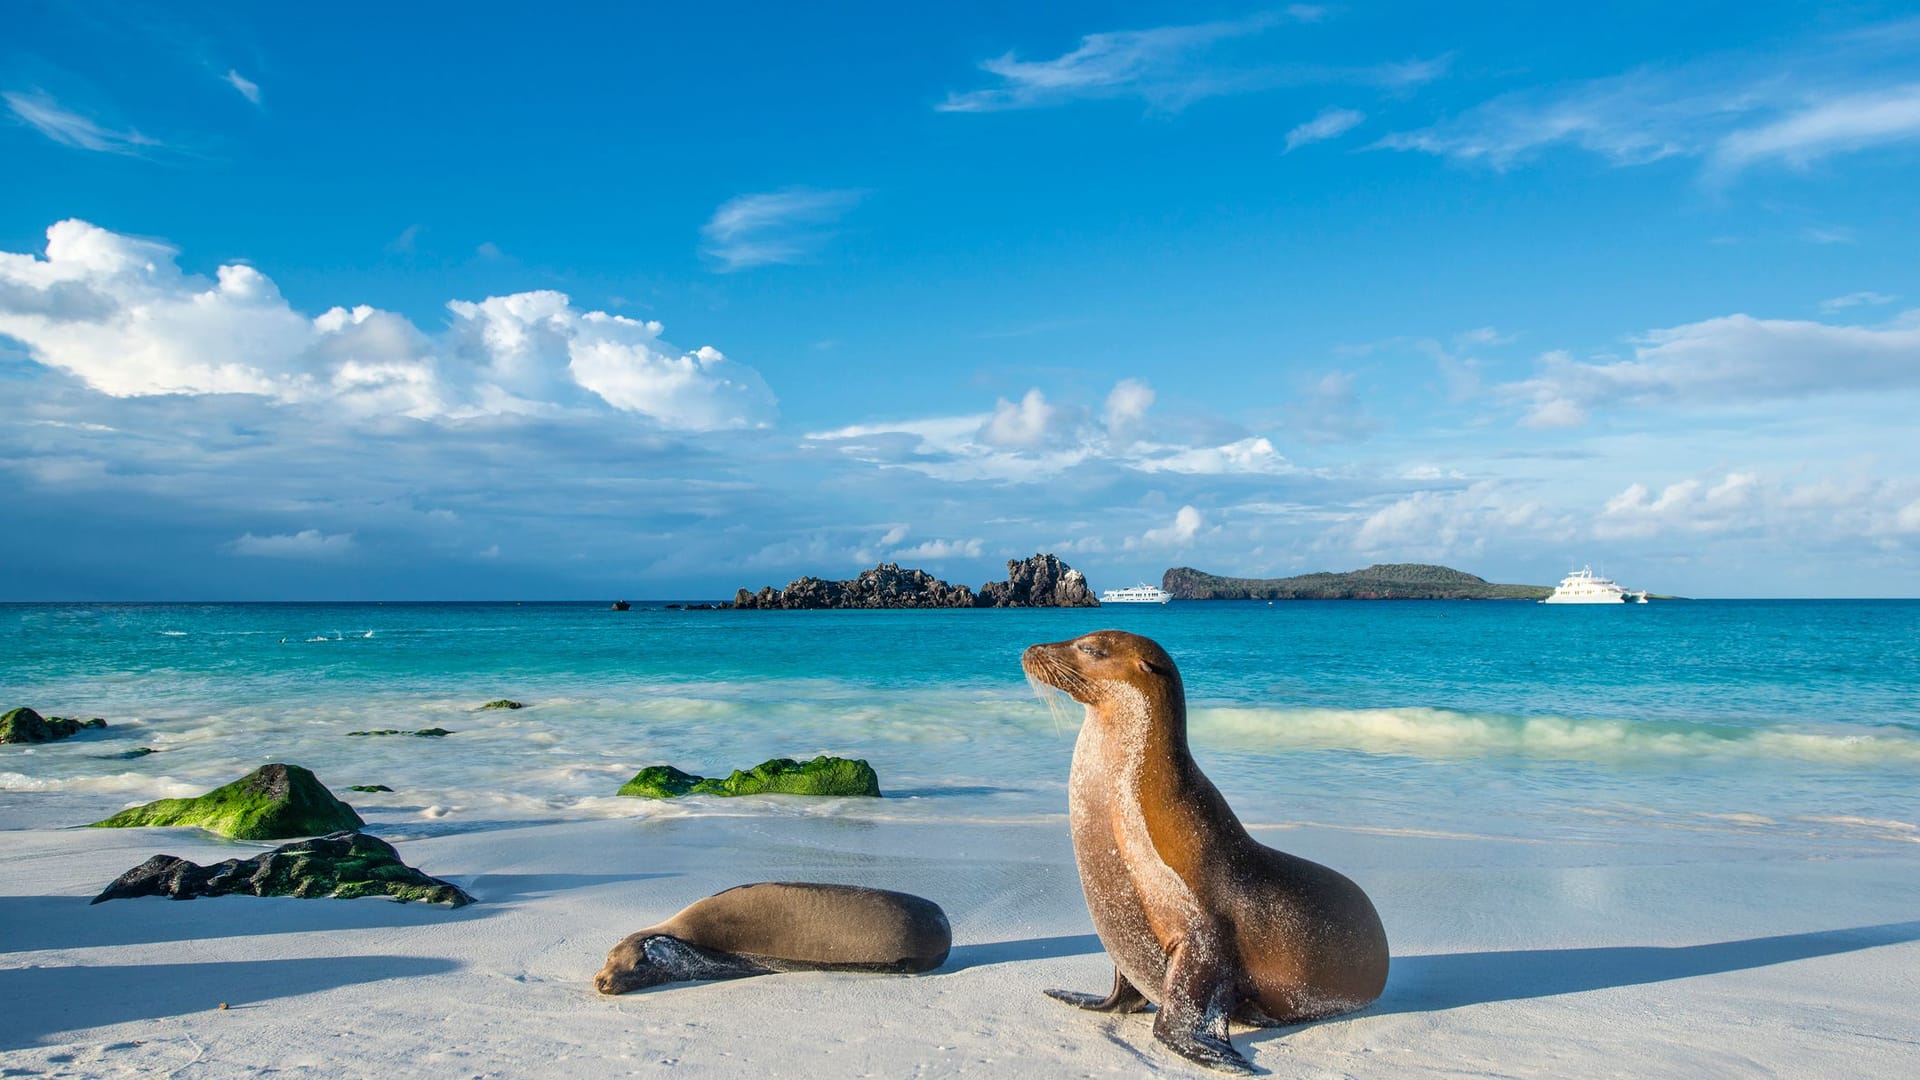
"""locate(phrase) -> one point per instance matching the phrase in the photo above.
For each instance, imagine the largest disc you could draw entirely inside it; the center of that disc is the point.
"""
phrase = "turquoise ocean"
(1716, 723)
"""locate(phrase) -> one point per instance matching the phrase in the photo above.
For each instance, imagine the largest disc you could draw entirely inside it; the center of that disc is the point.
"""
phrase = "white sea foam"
(1441, 733)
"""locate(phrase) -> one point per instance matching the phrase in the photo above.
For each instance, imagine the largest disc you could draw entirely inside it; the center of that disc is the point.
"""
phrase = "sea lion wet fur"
(782, 926)
(1199, 918)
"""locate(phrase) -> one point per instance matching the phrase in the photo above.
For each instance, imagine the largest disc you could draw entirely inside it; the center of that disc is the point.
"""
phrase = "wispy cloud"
(39, 110)
(1838, 94)
(1857, 299)
(1828, 234)
(247, 87)
(1735, 358)
(1169, 67)
(1330, 124)
(774, 227)
(1826, 127)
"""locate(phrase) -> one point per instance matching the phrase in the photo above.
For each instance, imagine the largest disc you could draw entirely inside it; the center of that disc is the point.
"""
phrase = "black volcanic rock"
(1041, 581)
(345, 865)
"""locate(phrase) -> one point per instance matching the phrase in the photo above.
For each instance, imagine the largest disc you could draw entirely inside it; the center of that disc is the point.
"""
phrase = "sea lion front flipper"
(1193, 1013)
(1124, 999)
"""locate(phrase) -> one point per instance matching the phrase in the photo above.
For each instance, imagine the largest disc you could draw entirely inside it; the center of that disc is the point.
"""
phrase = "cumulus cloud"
(1330, 124)
(774, 227)
(305, 544)
(1252, 455)
(1023, 425)
(941, 549)
(1186, 525)
(1437, 524)
(1688, 505)
(1034, 440)
(41, 112)
(119, 314)
(1127, 405)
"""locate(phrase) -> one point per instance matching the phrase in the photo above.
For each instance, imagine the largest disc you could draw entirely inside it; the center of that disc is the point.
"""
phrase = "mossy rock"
(778, 776)
(503, 703)
(23, 725)
(344, 865)
(273, 802)
(424, 733)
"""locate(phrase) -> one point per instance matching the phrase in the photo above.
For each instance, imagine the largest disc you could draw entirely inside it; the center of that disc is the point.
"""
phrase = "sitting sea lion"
(782, 926)
(1200, 919)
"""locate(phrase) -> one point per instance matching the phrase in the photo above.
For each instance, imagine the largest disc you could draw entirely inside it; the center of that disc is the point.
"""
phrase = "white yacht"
(1142, 593)
(1582, 587)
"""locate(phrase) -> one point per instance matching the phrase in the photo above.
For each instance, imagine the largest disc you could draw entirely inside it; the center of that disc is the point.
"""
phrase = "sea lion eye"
(1094, 651)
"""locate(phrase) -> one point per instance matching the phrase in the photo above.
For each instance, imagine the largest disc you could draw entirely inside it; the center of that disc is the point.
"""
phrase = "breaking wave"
(1442, 733)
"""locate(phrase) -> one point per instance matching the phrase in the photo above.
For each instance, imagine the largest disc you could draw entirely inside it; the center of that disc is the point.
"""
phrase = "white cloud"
(1857, 299)
(1832, 126)
(68, 128)
(1024, 425)
(1330, 124)
(1732, 358)
(1169, 67)
(247, 87)
(894, 535)
(1828, 234)
(1811, 514)
(1437, 524)
(1186, 525)
(305, 544)
(1253, 455)
(1815, 98)
(774, 227)
(941, 549)
(117, 312)
(1127, 405)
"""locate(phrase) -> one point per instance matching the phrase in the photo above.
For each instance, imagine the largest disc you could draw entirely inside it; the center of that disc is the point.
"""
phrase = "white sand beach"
(1512, 957)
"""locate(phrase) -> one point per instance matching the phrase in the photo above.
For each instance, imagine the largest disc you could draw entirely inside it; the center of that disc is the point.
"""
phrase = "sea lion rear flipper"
(1193, 1013)
(1124, 999)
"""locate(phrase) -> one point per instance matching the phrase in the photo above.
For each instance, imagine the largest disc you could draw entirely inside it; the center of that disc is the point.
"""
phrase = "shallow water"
(1723, 722)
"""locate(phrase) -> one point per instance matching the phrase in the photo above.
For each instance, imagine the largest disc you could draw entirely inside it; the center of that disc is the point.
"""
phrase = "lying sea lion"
(782, 926)
(1200, 919)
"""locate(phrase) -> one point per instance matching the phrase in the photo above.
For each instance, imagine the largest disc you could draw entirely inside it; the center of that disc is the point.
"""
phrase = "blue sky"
(474, 301)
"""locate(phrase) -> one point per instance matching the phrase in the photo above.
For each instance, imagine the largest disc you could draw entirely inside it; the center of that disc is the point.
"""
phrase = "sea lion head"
(639, 961)
(1092, 667)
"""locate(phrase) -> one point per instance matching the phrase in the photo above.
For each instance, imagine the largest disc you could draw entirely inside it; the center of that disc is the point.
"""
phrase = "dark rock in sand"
(424, 733)
(369, 787)
(23, 725)
(128, 755)
(778, 776)
(503, 703)
(344, 865)
(272, 802)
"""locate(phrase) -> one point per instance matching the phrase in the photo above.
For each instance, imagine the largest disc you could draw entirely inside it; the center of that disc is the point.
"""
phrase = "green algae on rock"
(424, 733)
(343, 865)
(273, 802)
(23, 725)
(504, 703)
(778, 776)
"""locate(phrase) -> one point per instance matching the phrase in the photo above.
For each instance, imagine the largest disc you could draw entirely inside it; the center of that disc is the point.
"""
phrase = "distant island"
(1040, 581)
(1383, 581)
